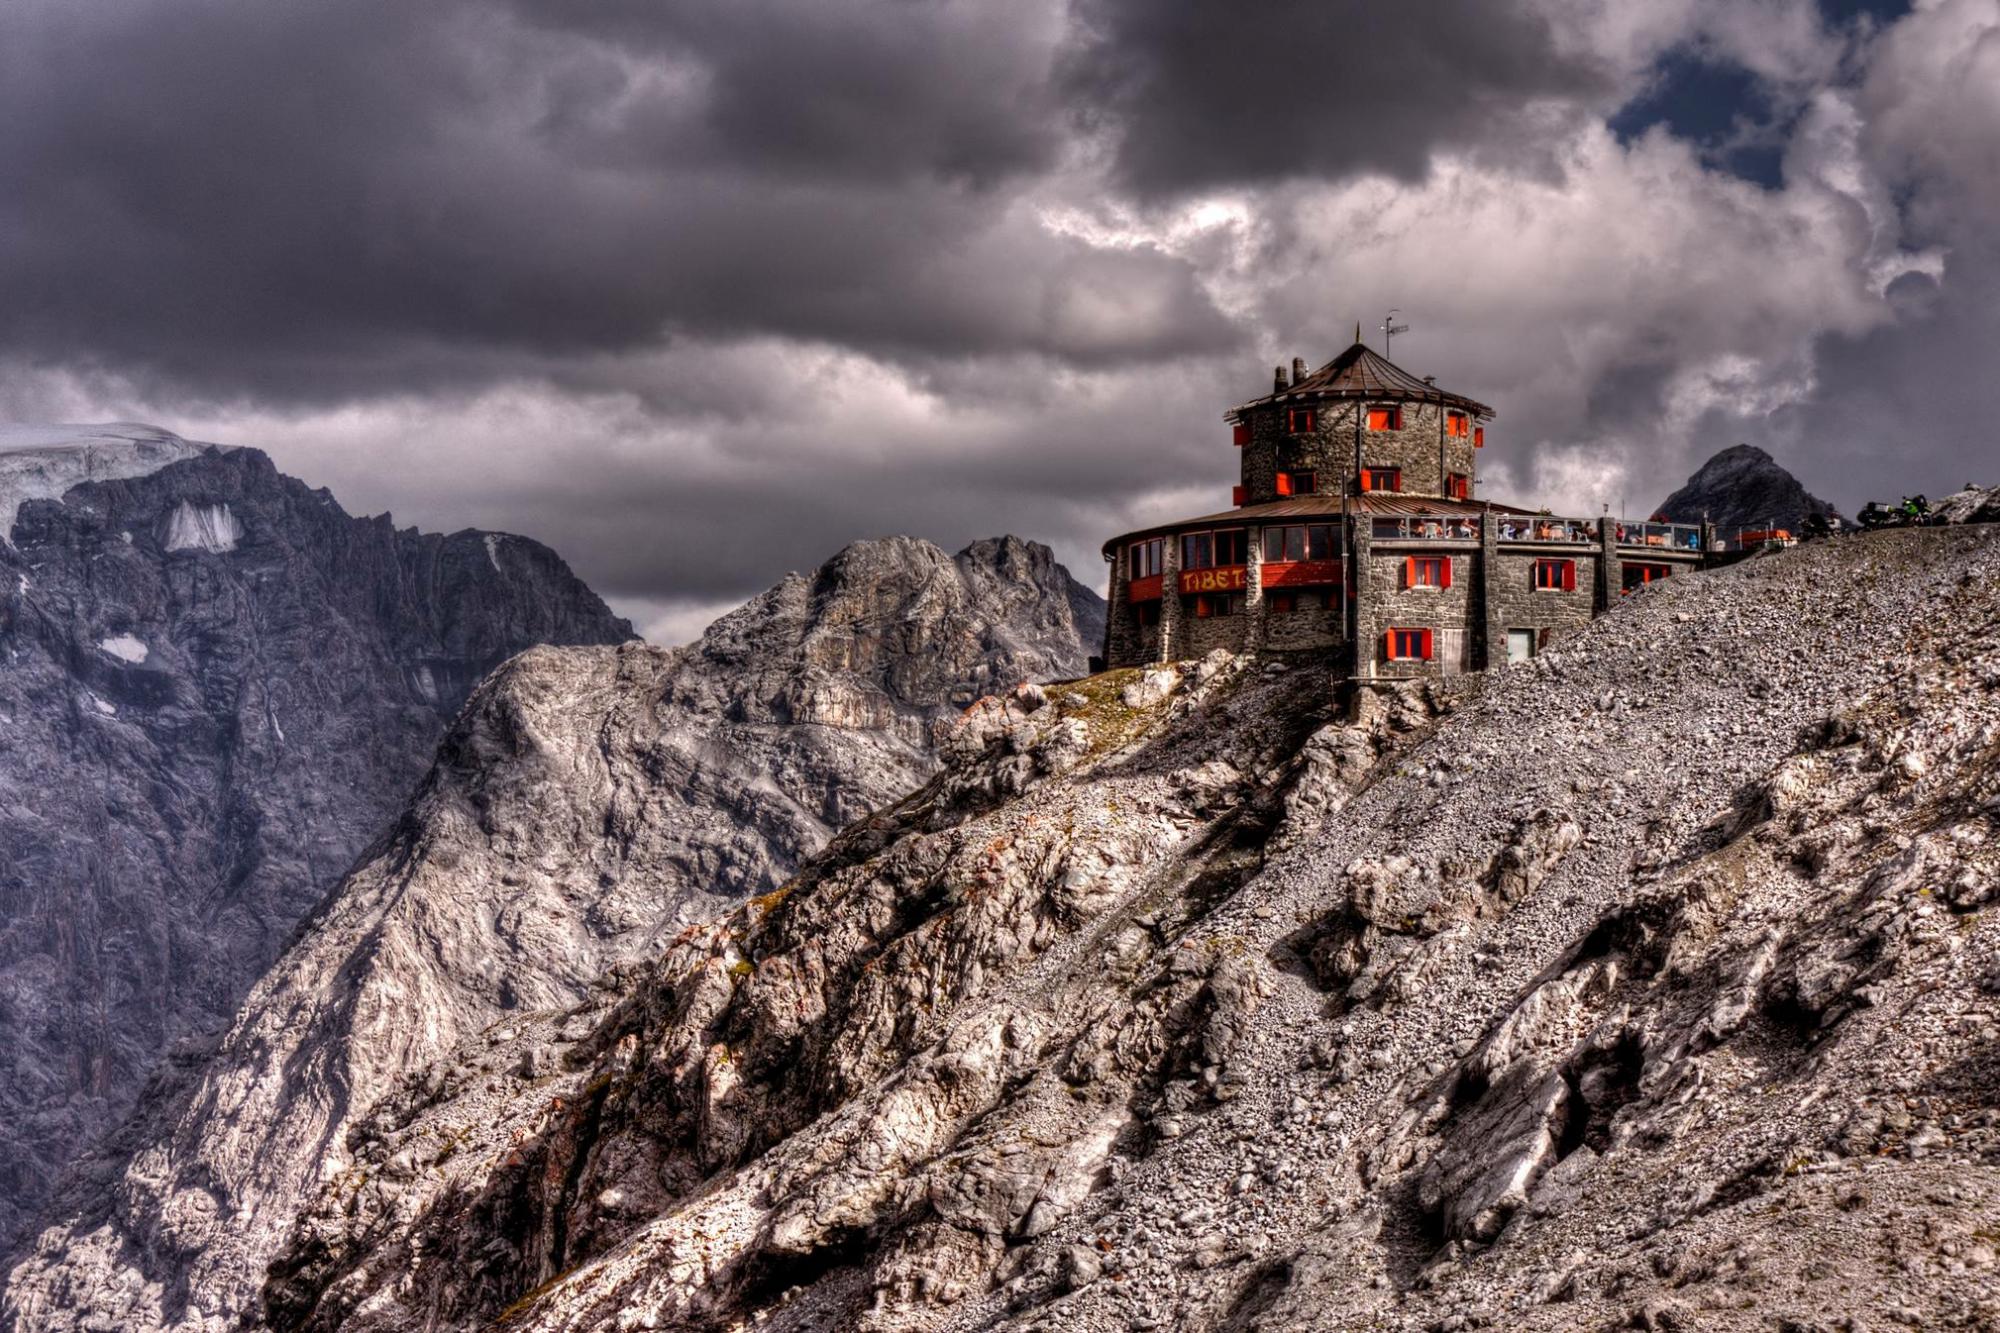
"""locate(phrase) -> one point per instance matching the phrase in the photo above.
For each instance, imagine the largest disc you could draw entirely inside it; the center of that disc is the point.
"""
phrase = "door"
(1520, 645)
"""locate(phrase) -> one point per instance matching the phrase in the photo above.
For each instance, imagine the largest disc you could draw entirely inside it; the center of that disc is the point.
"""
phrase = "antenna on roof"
(1390, 328)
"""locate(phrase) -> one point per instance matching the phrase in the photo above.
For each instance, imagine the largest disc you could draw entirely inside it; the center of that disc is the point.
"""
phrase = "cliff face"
(1651, 984)
(586, 807)
(1743, 487)
(215, 687)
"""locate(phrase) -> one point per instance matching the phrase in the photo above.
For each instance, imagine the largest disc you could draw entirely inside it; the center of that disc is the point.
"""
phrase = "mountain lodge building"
(1358, 526)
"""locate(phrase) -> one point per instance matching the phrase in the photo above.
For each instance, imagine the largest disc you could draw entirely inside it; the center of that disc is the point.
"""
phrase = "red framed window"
(1385, 418)
(1555, 576)
(1207, 550)
(1241, 435)
(1427, 571)
(1301, 420)
(1214, 605)
(1479, 437)
(1145, 559)
(1457, 425)
(1458, 486)
(1298, 483)
(1407, 645)
(1300, 541)
(1149, 614)
(1382, 479)
(1637, 575)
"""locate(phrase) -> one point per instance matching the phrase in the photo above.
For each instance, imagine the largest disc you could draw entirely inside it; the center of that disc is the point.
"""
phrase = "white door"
(1520, 645)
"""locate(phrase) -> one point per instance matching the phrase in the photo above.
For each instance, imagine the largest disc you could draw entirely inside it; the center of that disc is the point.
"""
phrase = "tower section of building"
(1358, 425)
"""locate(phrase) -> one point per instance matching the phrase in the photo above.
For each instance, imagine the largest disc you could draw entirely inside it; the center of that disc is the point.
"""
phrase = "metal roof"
(1359, 373)
(1322, 506)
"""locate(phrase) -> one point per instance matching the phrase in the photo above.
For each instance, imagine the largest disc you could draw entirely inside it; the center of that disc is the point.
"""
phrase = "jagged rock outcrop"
(215, 687)
(1974, 504)
(1655, 983)
(587, 805)
(1744, 487)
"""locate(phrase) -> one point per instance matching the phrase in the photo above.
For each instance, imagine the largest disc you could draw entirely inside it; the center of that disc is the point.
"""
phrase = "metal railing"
(1431, 528)
(1545, 528)
(1683, 537)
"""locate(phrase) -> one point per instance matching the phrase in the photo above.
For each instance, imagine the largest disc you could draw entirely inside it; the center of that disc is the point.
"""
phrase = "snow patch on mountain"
(196, 527)
(125, 648)
(42, 462)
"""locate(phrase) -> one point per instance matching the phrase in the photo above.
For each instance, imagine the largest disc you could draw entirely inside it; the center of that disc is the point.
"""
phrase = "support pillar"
(1254, 605)
(1610, 573)
(1490, 628)
(1361, 537)
(1171, 645)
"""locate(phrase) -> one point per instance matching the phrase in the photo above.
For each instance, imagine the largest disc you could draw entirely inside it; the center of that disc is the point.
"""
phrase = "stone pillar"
(1610, 574)
(1253, 589)
(1360, 537)
(1170, 599)
(1490, 628)
(1117, 611)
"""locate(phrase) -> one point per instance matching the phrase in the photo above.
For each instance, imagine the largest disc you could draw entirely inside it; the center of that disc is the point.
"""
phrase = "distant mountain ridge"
(587, 805)
(1743, 487)
(215, 687)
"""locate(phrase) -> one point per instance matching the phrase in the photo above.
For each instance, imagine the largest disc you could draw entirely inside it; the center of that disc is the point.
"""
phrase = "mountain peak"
(1743, 487)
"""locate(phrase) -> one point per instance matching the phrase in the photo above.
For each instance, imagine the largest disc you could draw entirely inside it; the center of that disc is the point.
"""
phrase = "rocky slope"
(586, 806)
(1743, 487)
(1652, 984)
(215, 687)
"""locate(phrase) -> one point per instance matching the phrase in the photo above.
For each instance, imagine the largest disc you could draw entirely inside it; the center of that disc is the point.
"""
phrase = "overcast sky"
(698, 291)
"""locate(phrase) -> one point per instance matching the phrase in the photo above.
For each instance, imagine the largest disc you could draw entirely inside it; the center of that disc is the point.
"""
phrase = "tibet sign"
(1228, 578)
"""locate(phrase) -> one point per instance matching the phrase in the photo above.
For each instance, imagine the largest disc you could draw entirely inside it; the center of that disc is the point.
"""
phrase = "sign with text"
(1224, 578)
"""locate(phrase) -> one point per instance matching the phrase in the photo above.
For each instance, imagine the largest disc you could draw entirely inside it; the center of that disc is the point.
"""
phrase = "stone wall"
(1292, 631)
(1417, 449)
(1446, 612)
(1513, 602)
(1201, 637)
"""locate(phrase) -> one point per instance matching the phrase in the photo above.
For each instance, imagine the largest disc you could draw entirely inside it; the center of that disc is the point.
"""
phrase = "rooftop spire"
(1357, 333)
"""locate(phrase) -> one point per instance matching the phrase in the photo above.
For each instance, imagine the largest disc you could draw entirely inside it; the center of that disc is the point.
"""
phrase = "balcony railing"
(1545, 528)
(1419, 527)
(1681, 537)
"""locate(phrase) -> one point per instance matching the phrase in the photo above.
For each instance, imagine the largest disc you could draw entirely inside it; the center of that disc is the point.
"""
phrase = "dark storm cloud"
(312, 203)
(1200, 95)
(699, 291)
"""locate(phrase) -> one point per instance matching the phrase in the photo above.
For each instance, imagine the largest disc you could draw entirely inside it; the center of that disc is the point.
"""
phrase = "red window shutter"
(1479, 437)
(1236, 496)
(1569, 576)
(1409, 571)
(1242, 434)
(1444, 571)
(1426, 645)
(1389, 645)
(1284, 483)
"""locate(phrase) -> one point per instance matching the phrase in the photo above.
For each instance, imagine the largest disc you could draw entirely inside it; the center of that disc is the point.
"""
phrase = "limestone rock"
(586, 806)
(215, 688)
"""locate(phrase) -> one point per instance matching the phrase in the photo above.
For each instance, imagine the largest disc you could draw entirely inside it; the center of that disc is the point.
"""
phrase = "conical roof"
(1359, 373)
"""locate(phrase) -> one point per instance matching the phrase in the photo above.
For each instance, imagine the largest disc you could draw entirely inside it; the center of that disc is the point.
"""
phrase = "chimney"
(1298, 370)
(1278, 381)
